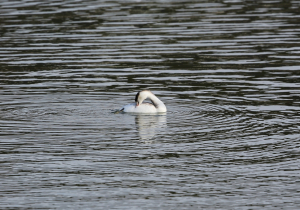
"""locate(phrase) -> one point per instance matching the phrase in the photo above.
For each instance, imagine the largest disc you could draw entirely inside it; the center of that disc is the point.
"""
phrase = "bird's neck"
(157, 103)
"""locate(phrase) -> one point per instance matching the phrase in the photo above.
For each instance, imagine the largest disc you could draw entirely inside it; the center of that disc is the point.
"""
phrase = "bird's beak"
(137, 104)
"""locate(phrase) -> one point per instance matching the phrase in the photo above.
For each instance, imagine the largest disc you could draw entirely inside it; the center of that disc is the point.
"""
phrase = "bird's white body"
(155, 107)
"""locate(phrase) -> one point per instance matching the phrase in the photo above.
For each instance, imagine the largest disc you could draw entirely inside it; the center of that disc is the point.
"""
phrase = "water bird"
(139, 107)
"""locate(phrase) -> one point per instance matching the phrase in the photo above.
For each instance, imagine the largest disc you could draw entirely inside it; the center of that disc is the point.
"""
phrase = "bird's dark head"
(137, 98)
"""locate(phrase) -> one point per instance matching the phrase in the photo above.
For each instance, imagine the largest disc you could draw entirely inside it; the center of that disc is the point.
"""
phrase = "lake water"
(228, 72)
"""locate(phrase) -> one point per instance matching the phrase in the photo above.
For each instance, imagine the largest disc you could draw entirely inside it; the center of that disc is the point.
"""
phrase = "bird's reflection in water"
(149, 125)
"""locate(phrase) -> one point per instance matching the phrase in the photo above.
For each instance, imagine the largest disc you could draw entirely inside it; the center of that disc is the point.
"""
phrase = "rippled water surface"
(228, 72)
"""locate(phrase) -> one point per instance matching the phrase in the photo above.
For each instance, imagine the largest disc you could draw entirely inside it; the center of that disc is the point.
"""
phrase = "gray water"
(228, 72)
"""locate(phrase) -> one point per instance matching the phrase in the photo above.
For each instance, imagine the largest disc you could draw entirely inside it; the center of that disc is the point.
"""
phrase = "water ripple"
(227, 71)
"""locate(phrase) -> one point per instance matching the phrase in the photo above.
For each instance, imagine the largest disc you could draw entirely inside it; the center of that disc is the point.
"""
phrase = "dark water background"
(227, 70)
